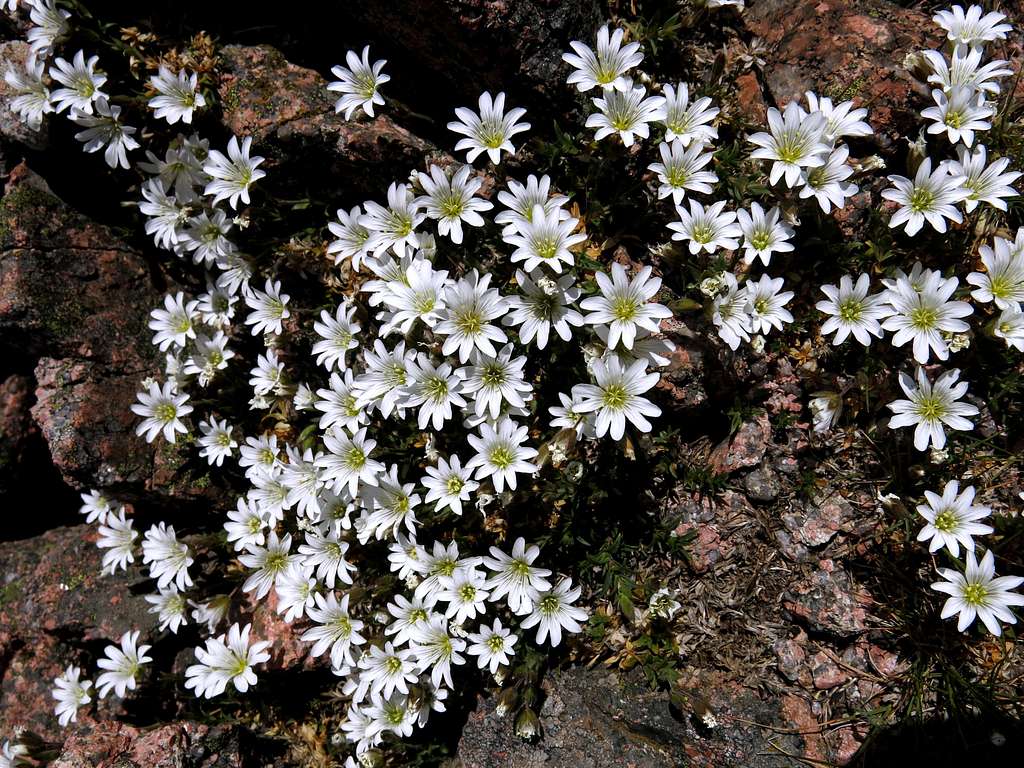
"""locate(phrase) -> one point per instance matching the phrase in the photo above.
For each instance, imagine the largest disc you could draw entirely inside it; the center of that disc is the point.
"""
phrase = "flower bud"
(527, 724)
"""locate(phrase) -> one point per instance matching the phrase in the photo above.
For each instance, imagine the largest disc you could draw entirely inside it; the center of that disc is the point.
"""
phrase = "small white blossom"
(930, 407)
(554, 611)
(393, 227)
(121, 665)
(358, 83)
(626, 112)
(515, 577)
(81, 81)
(337, 336)
(730, 313)
(851, 310)
(688, 122)
(452, 201)
(161, 409)
(959, 114)
(471, 305)
(984, 183)
(233, 174)
(978, 593)
(544, 305)
(492, 646)
(706, 229)
(827, 183)
(952, 519)
(269, 308)
(606, 67)
(71, 693)
(763, 233)
(930, 197)
(489, 131)
(168, 558)
(795, 141)
(170, 607)
(766, 304)
(32, 99)
(177, 96)
(500, 453)
(226, 659)
(680, 170)
(351, 237)
(545, 239)
(625, 305)
(923, 314)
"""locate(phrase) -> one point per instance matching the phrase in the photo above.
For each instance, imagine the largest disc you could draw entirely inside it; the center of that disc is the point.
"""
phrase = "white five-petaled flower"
(245, 525)
(493, 380)
(923, 313)
(500, 453)
(489, 131)
(434, 389)
(471, 305)
(971, 27)
(545, 238)
(32, 101)
(50, 25)
(554, 611)
(964, 68)
(337, 336)
(177, 96)
(81, 81)
(71, 693)
(851, 310)
(767, 304)
(763, 233)
(568, 416)
(358, 83)
(978, 593)
(1003, 278)
(269, 308)
(347, 462)
(605, 68)
(544, 305)
(161, 409)
(984, 183)
(451, 201)
(626, 112)
(393, 227)
(840, 119)
(931, 407)
(680, 170)
(104, 130)
(335, 631)
(226, 659)
(350, 235)
(171, 608)
(616, 396)
(168, 558)
(465, 594)
(97, 507)
(270, 562)
(174, 324)
(795, 141)
(930, 197)
(515, 577)
(688, 122)
(625, 305)
(707, 228)
(449, 484)
(730, 312)
(959, 114)
(121, 665)
(1009, 327)
(952, 519)
(233, 174)
(492, 646)
(520, 200)
(827, 183)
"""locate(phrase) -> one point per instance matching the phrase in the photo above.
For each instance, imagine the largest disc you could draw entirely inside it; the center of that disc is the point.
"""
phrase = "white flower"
(452, 202)
(554, 611)
(763, 233)
(471, 306)
(180, 169)
(730, 313)
(406, 556)
(348, 461)
(449, 484)
(171, 608)
(340, 403)
(351, 237)
(708, 228)
(269, 308)
(616, 397)
(952, 519)
(606, 68)
(105, 130)
(245, 525)
(387, 669)
(226, 659)
(270, 562)
(383, 382)
(392, 504)
(177, 95)
(930, 197)
(174, 323)
(207, 237)
(796, 141)
(494, 380)
(419, 297)
(690, 123)
(766, 304)
(664, 604)
(520, 200)
(393, 227)
(440, 561)
(70, 693)
(959, 114)
(984, 184)
(624, 305)
(50, 25)
(544, 304)
(325, 552)
(161, 410)
(358, 83)
(337, 631)
(500, 453)
(268, 376)
(680, 170)
(168, 558)
(209, 355)
(492, 646)
(164, 215)
(826, 407)
(545, 239)
(930, 406)
(852, 310)
(465, 594)
(965, 69)
(13, 755)
(33, 97)
(121, 665)
(434, 390)
(827, 183)
(436, 650)
(96, 507)
(626, 112)
(977, 593)
(211, 612)
(841, 119)
(489, 131)
(232, 175)
(1009, 327)
(337, 336)
(568, 415)
(515, 577)
(972, 28)
(81, 81)
(924, 313)
(295, 589)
